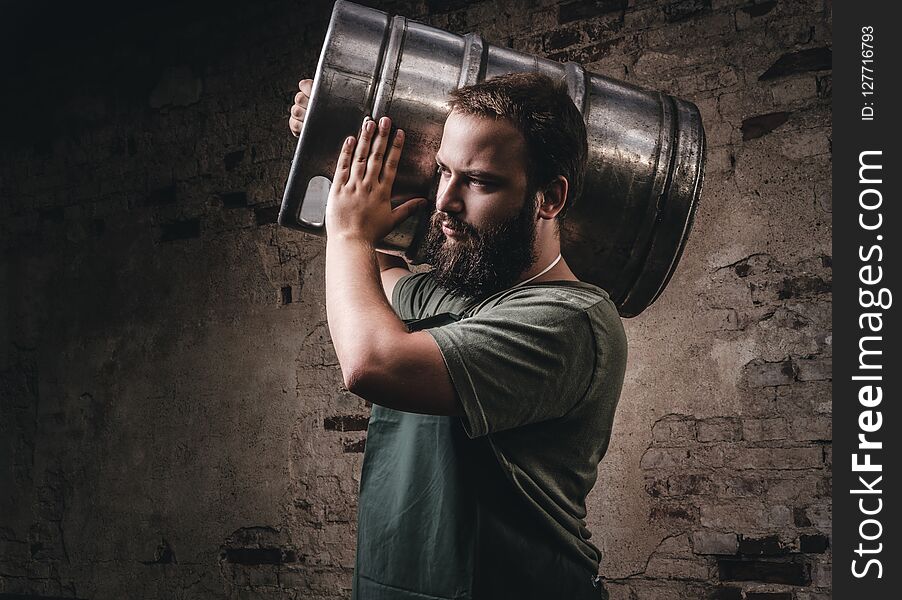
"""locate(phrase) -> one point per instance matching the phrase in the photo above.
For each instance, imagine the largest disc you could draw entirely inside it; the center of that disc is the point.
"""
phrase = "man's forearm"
(361, 321)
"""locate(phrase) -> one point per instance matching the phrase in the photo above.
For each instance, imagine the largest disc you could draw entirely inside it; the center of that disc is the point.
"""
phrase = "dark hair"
(541, 109)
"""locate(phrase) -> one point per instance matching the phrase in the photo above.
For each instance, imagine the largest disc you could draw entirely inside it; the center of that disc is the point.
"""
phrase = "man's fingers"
(296, 119)
(403, 211)
(298, 112)
(377, 154)
(295, 126)
(358, 166)
(343, 168)
(393, 158)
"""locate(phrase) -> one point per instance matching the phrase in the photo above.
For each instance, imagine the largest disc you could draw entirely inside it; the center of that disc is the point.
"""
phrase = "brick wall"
(172, 420)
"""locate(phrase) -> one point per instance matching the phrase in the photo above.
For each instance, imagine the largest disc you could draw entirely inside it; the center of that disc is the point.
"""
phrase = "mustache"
(440, 219)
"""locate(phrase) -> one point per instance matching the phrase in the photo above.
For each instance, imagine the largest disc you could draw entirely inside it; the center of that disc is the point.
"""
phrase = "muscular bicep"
(390, 277)
(408, 373)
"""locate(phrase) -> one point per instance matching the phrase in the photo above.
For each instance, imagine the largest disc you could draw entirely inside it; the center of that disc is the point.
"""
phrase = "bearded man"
(494, 376)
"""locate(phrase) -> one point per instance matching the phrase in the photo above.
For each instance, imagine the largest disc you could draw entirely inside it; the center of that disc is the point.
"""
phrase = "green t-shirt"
(493, 504)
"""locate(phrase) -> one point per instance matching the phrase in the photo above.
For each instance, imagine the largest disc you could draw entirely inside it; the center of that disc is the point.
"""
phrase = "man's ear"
(552, 198)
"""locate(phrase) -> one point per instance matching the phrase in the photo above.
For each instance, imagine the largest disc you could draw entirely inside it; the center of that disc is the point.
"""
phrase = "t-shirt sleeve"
(519, 363)
(410, 295)
(404, 296)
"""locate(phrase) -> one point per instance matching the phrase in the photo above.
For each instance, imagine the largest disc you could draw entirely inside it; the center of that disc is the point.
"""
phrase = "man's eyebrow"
(476, 173)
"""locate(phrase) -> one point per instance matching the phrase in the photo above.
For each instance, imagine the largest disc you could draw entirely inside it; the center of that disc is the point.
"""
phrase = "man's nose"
(448, 198)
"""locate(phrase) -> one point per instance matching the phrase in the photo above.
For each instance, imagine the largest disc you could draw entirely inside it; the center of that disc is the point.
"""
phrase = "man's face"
(482, 236)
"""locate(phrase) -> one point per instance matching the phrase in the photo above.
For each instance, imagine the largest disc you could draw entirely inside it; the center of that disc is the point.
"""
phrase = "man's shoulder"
(573, 309)
(419, 295)
(422, 295)
(561, 296)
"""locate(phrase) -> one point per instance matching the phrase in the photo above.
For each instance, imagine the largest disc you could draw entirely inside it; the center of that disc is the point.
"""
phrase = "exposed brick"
(765, 571)
(822, 572)
(741, 486)
(673, 514)
(815, 369)
(757, 126)
(812, 59)
(266, 215)
(673, 430)
(812, 428)
(800, 517)
(766, 546)
(726, 593)
(759, 9)
(584, 9)
(587, 54)
(41, 596)
(346, 423)
(743, 514)
(561, 38)
(825, 87)
(354, 446)
(757, 430)
(254, 556)
(767, 374)
(768, 596)
(440, 6)
(780, 458)
(718, 429)
(714, 542)
(677, 568)
(683, 9)
(795, 90)
(803, 286)
(688, 484)
(815, 544)
(664, 458)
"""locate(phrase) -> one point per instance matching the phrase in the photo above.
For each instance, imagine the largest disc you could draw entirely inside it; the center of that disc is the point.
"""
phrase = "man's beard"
(483, 261)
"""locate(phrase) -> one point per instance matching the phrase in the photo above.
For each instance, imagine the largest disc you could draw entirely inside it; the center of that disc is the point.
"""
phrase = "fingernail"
(383, 122)
(370, 126)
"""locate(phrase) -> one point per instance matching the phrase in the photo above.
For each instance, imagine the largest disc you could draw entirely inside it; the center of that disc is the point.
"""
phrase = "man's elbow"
(355, 380)
(364, 379)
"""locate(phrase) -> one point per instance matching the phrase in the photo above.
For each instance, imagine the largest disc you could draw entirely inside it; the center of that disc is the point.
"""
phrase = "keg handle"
(307, 190)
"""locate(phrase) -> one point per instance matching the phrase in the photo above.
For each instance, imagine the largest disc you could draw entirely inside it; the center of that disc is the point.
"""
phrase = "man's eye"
(442, 170)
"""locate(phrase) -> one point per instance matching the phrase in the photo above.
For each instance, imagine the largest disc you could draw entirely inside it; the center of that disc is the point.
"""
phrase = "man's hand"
(359, 204)
(298, 110)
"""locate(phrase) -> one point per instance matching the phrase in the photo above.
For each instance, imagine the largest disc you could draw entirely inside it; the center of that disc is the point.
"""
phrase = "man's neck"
(549, 250)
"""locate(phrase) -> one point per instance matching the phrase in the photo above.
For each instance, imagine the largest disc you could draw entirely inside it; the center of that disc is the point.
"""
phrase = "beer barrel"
(625, 233)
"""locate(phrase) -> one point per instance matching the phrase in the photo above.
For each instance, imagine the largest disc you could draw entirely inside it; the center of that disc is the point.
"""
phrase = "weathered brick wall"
(173, 423)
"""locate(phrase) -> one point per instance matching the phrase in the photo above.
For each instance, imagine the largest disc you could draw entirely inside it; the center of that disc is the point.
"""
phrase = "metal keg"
(646, 149)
